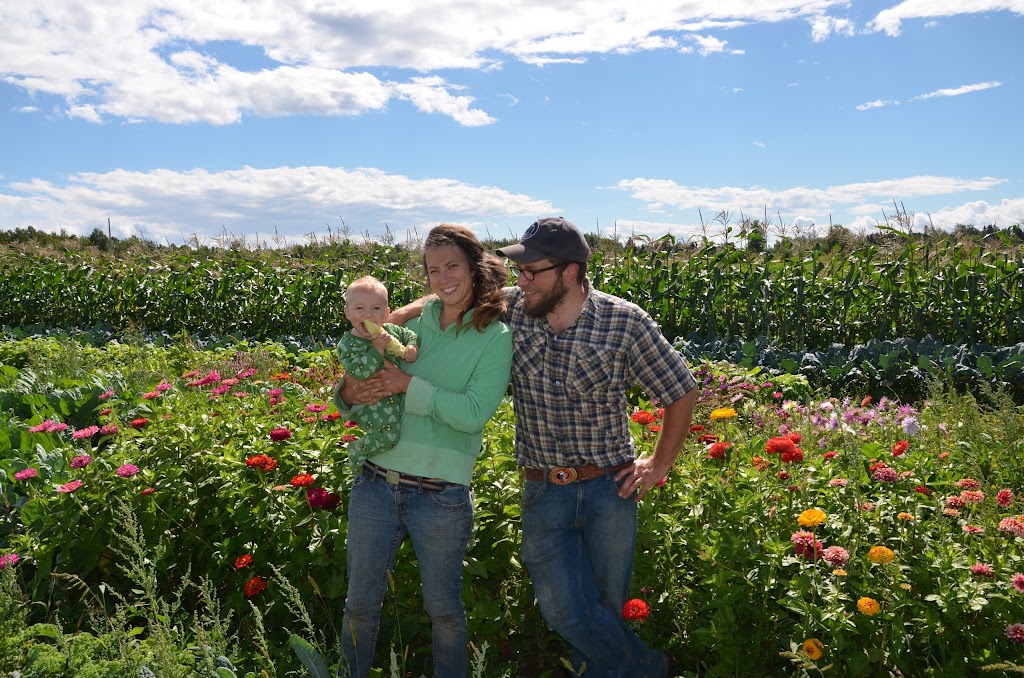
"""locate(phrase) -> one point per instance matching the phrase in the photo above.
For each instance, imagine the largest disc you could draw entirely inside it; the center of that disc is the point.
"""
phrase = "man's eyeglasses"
(529, 275)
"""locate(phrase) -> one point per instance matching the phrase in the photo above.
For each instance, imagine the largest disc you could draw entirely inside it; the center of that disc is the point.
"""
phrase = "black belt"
(405, 479)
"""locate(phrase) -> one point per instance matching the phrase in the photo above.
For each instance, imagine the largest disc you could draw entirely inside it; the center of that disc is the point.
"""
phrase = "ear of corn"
(395, 348)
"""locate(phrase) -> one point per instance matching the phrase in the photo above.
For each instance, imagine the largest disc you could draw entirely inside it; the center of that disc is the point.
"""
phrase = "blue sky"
(182, 120)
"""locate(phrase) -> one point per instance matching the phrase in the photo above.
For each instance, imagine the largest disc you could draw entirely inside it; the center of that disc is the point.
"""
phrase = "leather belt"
(563, 475)
(405, 479)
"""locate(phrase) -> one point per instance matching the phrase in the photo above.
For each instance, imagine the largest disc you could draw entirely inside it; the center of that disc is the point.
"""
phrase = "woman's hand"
(363, 391)
(394, 379)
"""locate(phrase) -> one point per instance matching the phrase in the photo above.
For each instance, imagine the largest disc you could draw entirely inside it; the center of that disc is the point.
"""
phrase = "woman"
(420, 487)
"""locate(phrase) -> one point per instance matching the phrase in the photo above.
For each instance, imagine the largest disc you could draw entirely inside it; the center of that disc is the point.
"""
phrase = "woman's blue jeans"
(380, 515)
(578, 544)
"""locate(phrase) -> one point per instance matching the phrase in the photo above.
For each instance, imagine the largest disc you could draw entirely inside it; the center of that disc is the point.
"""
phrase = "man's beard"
(539, 305)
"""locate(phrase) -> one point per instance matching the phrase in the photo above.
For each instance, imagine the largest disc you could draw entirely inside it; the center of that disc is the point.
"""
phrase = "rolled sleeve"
(419, 396)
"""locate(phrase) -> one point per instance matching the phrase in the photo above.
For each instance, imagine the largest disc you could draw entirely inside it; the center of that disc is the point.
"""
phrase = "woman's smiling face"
(450, 276)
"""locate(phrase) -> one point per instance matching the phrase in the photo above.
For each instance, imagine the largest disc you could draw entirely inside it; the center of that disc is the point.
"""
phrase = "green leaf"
(309, 657)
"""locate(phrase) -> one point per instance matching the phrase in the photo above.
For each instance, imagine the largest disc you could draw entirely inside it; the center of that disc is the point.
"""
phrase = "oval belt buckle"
(562, 476)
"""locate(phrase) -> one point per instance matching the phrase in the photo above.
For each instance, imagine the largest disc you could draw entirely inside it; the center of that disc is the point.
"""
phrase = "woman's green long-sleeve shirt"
(458, 383)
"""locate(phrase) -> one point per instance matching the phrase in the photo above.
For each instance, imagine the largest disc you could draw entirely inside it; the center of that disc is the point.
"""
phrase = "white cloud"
(823, 26)
(890, 20)
(759, 144)
(659, 193)
(164, 203)
(877, 103)
(177, 61)
(957, 91)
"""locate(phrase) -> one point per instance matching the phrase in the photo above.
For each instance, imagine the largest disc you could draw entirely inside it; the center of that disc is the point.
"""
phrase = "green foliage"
(159, 577)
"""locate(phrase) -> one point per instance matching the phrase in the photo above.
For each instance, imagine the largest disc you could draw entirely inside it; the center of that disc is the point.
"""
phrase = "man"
(577, 351)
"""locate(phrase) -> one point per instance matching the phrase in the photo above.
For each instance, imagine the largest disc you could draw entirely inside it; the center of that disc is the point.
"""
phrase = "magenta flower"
(1005, 497)
(316, 407)
(87, 432)
(279, 434)
(1014, 632)
(1018, 582)
(27, 474)
(8, 559)
(41, 427)
(163, 386)
(81, 461)
(106, 394)
(321, 499)
(127, 470)
(109, 429)
(69, 487)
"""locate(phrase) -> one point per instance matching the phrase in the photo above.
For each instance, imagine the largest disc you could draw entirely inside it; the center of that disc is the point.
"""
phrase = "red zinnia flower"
(779, 445)
(718, 450)
(148, 491)
(263, 461)
(141, 422)
(923, 489)
(302, 480)
(643, 417)
(1005, 497)
(635, 610)
(243, 561)
(899, 448)
(279, 434)
(255, 586)
(795, 437)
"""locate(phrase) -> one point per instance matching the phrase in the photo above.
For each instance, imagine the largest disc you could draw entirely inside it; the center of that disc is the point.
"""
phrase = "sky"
(280, 122)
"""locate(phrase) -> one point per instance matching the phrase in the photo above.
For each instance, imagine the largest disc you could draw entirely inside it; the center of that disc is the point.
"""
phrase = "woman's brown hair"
(489, 274)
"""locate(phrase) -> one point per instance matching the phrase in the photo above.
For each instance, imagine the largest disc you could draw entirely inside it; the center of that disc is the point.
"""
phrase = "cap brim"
(521, 254)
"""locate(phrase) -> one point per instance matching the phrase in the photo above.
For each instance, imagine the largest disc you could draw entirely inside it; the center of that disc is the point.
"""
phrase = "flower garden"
(180, 510)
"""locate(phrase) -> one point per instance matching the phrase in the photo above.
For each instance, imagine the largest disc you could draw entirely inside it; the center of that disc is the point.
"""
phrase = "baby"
(366, 307)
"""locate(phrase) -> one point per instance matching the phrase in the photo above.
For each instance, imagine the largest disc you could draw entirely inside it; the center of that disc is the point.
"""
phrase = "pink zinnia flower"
(836, 556)
(8, 559)
(229, 382)
(973, 529)
(163, 386)
(1018, 582)
(885, 474)
(127, 470)
(279, 434)
(956, 501)
(973, 496)
(1015, 632)
(1005, 498)
(968, 484)
(352, 424)
(109, 429)
(275, 393)
(70, 487)
(220, 390)
(106, 394)
(1013, 526)
(982, 570)
(316, 407)
(81, 461)
(87, 432)
(151, 395)
(838, 482)
(27, 474)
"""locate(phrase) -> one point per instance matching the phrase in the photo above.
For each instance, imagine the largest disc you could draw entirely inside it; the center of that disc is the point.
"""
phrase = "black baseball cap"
(548, 237)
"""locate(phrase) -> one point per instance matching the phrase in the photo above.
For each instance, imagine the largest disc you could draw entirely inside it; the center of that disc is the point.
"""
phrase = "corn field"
(806, 298)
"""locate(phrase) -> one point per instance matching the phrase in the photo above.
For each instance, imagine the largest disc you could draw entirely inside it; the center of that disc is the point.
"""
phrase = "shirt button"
(557, 383)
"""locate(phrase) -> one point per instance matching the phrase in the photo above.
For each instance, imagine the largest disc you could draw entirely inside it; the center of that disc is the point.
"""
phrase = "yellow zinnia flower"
(880, 554)
(723, 413)
(868, 607)
(811, 518)
(839, 572)
(905, 516)
(813, 648)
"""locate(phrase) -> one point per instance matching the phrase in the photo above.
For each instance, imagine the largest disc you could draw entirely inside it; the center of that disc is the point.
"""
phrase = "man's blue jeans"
(439, 524)
(578, 544)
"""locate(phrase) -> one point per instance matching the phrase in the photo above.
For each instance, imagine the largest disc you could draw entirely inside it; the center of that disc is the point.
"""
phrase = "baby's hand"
(411, 352)
(381, 341)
